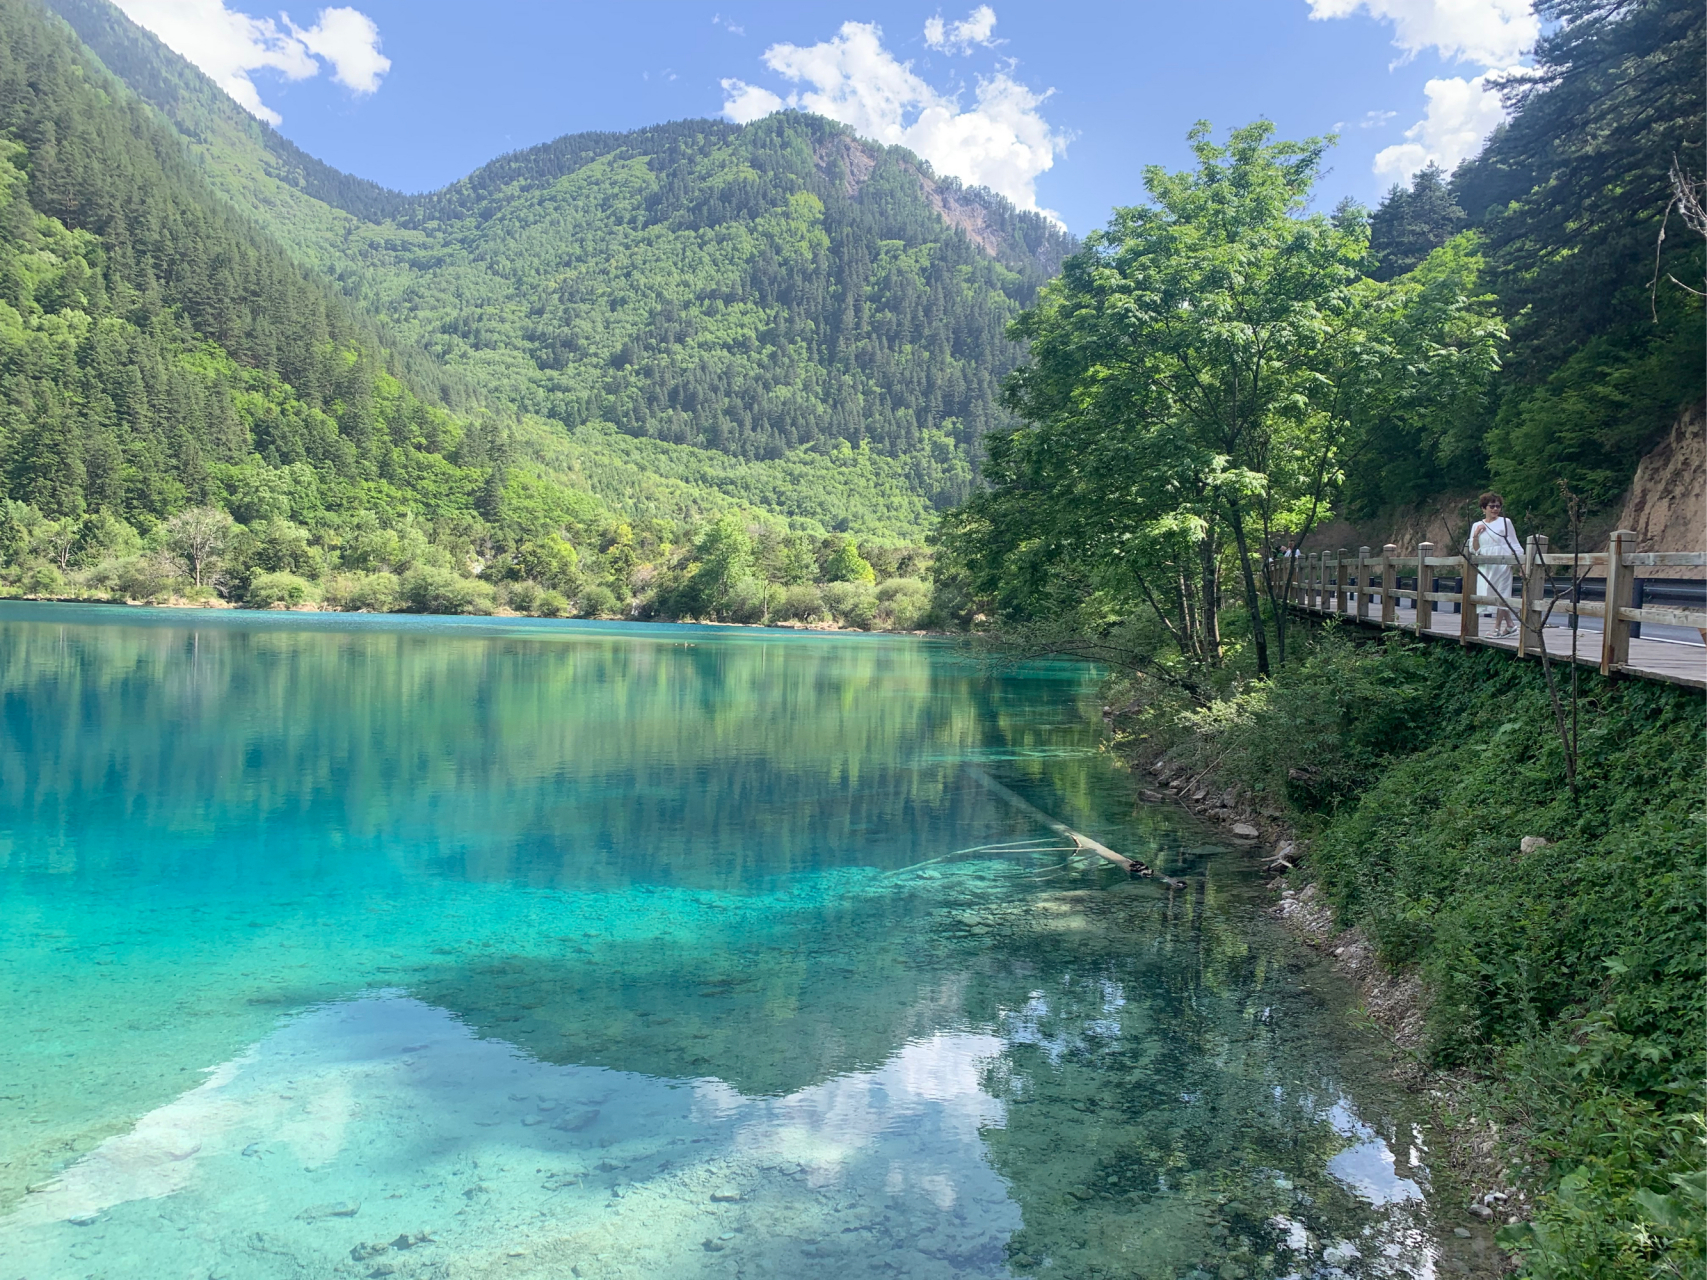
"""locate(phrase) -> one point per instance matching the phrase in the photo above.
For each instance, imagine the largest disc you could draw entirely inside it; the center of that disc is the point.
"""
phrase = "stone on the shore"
(1245, 831)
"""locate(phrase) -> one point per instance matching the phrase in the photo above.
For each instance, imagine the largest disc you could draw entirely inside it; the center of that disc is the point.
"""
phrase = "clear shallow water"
(457, 948)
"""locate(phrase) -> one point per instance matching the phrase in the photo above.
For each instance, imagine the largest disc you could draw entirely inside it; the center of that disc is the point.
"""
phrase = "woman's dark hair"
(1488, 497)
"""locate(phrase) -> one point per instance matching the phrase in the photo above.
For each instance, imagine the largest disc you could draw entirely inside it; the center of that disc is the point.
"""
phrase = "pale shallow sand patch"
(380, 1137)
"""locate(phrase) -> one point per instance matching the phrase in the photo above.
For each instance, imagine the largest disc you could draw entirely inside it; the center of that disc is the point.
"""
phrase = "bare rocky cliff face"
(967, 210)
(1667, 502)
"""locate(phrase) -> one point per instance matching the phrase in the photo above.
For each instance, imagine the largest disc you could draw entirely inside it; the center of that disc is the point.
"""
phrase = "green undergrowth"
(1571, 977)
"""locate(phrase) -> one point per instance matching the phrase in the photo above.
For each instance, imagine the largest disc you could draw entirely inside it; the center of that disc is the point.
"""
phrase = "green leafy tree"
(1411, 224)
(1197, 376)
(1190, 336)
(845, 564)
(552, 561)
(721, 569)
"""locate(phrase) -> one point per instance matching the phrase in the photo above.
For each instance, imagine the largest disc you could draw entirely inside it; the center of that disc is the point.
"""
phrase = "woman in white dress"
(1494, 535)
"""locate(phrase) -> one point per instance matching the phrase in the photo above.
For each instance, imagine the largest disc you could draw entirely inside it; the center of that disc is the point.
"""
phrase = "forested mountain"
(155, 341)
(749, 289)
(188, 407)
(1568, 199)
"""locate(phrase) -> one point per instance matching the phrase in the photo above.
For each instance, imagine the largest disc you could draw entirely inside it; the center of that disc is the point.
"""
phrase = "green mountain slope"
(153, 342)
(751, 290)
(1569, 199)
(186, 408)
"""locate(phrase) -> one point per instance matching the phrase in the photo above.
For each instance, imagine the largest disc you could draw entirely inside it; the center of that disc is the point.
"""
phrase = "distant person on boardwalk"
(1494, 535)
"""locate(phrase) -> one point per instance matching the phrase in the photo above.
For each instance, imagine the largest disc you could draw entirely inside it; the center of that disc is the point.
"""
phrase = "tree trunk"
(1187, 606)
(1211, 593)
(1259, 632)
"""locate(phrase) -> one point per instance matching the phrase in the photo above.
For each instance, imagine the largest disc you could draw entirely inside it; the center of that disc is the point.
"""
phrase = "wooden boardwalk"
(1665, 660)
(1366, 590)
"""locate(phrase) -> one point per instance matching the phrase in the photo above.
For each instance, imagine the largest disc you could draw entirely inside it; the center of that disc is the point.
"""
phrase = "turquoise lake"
(342, 946)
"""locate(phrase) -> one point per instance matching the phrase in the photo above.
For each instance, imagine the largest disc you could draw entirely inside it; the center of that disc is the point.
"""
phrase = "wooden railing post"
(1534, 601)
(1615, 634)
(1340, 576)
(1363, 584)
(1425, 606)
(1470, 622)
(1389, 582)
(1316, 559)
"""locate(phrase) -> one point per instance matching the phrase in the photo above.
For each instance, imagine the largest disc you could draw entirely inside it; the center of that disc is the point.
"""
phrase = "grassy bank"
(1570, 978)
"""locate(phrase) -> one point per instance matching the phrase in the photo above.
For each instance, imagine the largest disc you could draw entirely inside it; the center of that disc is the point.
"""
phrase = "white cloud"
(976, 28)
(1488, 33)
(1002, 143)
(1460, 114)
(229, 45)
(349, 40)
(1492, 34)
(1376, 119)
(745, 103)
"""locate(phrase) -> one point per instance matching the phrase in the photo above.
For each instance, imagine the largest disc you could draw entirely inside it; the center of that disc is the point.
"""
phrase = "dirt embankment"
(1667, 502)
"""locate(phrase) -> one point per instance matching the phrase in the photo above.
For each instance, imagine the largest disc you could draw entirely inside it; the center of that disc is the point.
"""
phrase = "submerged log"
(1132, 866)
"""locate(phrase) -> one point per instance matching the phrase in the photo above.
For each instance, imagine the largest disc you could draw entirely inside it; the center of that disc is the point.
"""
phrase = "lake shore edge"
(1394, 1002)
(1526, 932)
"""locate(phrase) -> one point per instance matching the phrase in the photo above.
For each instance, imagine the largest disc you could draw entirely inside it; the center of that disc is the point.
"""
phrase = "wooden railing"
(1366, 588)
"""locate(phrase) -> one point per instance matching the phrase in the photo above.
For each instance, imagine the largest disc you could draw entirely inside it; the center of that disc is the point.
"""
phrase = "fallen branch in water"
(1132, 866)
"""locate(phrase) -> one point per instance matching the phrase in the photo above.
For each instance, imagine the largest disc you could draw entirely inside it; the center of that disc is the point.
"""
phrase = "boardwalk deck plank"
(1674, 663)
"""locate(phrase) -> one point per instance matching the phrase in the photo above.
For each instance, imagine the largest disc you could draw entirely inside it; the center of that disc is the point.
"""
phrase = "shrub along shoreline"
(1567, 981)
(734, 568)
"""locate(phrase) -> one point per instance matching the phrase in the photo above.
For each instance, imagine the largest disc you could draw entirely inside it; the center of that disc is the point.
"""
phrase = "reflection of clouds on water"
(1368, 1166)
(932, 1087)
(373, 1118)
(1025, 1025)
(288, 1091)
(383, 1115)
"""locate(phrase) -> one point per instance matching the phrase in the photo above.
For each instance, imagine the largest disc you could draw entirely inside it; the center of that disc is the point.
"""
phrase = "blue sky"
(1059, 105)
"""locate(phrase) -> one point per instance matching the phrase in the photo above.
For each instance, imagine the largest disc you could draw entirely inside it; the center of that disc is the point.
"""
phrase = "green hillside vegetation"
(750, 290)
(172, 380)
(1568, 200)
(612, 346)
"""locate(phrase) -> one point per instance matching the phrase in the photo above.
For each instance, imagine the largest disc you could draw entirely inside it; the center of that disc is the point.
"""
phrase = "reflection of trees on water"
(1171, 1085)
(529, 758)
(1160, 1052)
